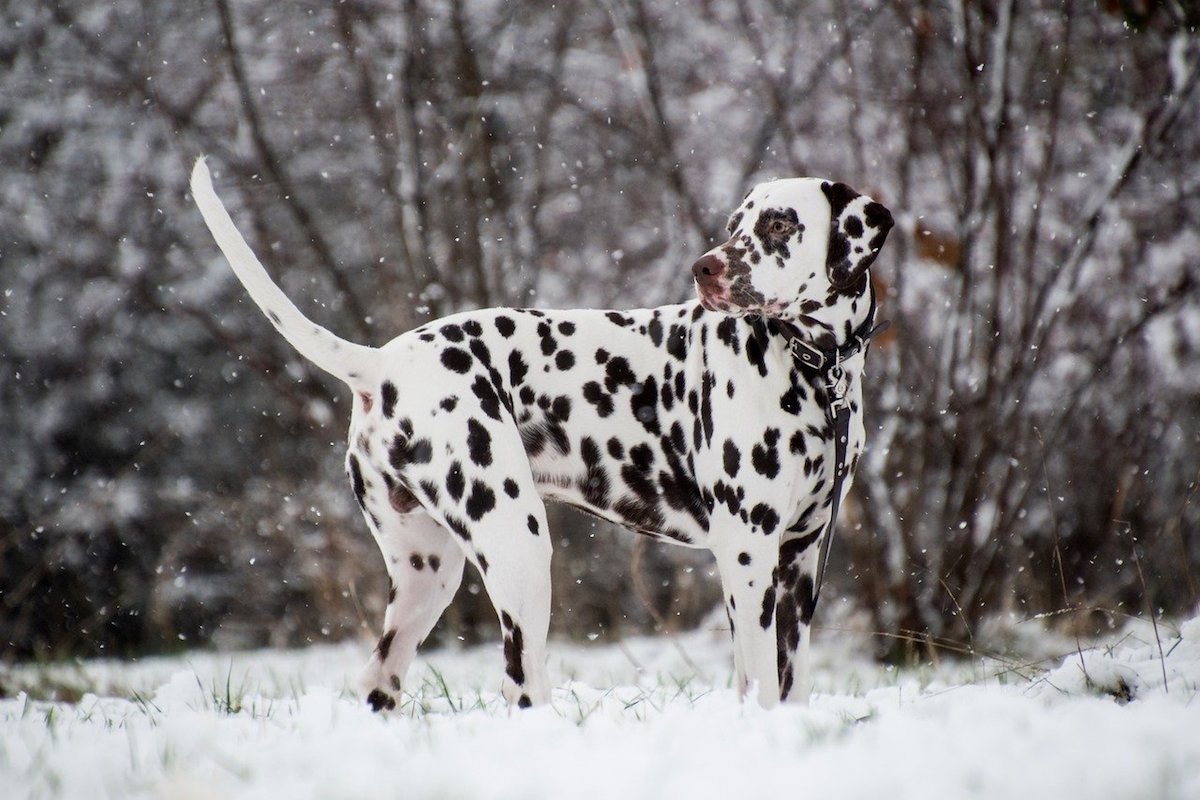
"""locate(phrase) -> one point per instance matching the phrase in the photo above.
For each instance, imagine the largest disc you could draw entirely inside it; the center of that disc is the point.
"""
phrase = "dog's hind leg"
(425, 568)
(510, 546)
(518, 582)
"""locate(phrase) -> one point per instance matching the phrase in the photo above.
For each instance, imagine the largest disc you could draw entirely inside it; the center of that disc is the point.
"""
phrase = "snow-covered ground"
(651, 718)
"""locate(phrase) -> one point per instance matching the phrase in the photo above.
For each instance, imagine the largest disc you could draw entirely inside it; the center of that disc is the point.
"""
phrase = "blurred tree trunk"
(985, 405)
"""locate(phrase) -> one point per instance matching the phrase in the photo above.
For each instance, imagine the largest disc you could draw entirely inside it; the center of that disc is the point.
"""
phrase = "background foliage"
(172, 471)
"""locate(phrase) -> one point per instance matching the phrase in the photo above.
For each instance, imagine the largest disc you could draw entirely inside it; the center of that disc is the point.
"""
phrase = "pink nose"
(708, 269)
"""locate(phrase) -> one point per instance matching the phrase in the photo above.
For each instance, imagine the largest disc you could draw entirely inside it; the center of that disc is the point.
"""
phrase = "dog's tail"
(351, 363)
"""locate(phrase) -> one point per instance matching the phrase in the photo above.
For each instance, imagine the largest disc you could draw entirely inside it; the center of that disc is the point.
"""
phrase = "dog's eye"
(780, 226)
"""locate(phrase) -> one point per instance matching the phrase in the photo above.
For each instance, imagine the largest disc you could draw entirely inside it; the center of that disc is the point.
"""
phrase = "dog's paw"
(380, 700)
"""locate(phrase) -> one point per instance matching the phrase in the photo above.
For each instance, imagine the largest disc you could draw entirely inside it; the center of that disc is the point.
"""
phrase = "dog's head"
(796, 248)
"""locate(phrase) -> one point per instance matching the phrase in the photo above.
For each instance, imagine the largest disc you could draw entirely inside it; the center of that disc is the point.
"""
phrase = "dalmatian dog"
(707, 424)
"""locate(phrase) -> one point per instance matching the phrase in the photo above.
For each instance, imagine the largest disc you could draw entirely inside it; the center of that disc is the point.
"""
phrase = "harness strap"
(827, 365)
(841, 440)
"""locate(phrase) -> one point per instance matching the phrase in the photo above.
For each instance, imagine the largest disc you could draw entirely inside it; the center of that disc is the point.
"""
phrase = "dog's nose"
(707, 268)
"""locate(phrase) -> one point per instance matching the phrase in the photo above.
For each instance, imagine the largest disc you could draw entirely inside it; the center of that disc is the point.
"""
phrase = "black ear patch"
(858, 227)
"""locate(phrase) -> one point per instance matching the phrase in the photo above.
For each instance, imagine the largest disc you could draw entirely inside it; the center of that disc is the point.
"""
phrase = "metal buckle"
(807, 354)
(837, 386)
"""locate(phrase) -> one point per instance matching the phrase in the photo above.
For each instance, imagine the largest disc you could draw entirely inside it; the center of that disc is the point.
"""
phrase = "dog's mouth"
(738, 301)
(713, 301)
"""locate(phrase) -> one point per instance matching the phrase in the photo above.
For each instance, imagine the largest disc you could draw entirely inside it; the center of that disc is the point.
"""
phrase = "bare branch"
(274, 167)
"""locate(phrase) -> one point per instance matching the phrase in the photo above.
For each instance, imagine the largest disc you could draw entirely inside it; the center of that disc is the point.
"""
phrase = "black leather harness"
(826, 365)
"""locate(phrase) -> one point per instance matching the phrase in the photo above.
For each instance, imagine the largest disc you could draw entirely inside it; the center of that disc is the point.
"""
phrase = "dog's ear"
(858, 227)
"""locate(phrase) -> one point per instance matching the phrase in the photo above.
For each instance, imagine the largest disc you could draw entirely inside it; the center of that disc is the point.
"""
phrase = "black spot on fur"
(879, 218)
(489, 401)
(706, 418)
(733, 458)
(727, 334)
(479, 443)
(505, 326)
(435, 563)
(458, 527)
(481, 500)
(765, 518)
(808, 600)
(472, 328)
(511, 489)
(452, 332)
(618, 374)
(357, 483)
(430, 490)
(644, 405)
(481, 352)
(560, 408)
(594, 393)
(754, 354)
(566, 328)
(768, 608)
(524, 702)
(765, 459)
(385, 644)
(655, 331)
(734, 221)
(456, 360)
(455, 483)
(640, 484)
(535, 436)
(449, 403)
(405, 451)
(595, 479)
(532, 523)
(640, 515)
(549, 343)
(677, 342)
(681, 492)
(564, 359)
(387, 393)
(514, 647)
(790, 402)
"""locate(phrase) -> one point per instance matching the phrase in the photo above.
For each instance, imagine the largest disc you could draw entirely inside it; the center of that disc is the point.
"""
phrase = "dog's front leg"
(795, 602)
(746, 562)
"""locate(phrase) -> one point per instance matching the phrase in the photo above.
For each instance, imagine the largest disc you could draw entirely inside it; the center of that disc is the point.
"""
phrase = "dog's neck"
(845, 323)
